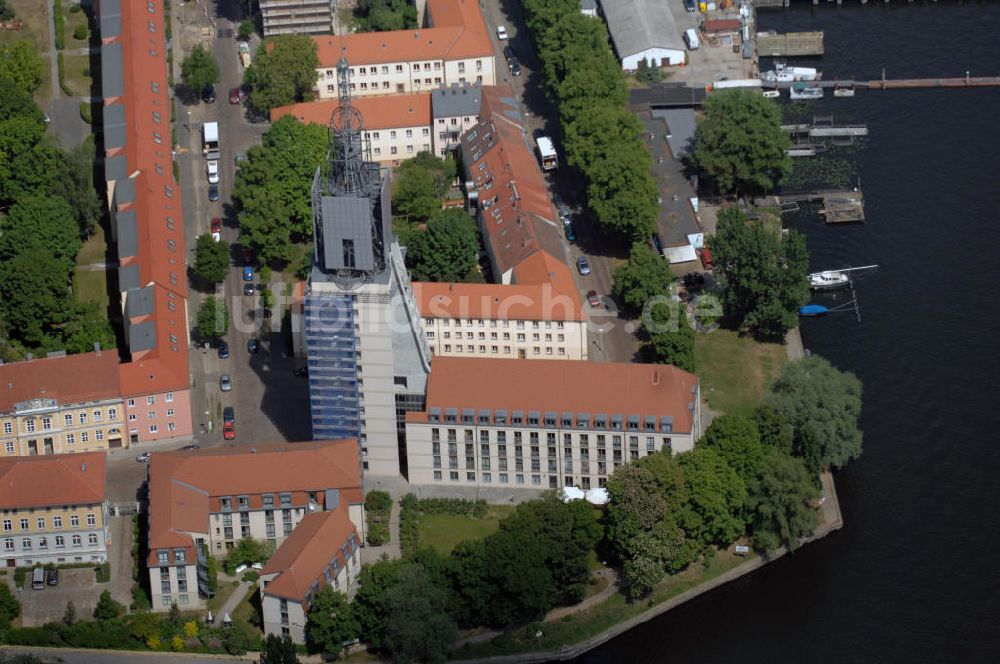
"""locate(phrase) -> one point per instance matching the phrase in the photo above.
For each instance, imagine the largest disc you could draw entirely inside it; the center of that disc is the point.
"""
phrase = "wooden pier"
(896, 84)
(816, 131)
(839, 206)
(790, 44)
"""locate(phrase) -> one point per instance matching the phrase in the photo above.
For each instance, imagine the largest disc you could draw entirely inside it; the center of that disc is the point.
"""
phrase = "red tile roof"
(458, 32)
(68, 379)
(44, 481)
(561, 386)
(384, 112)
(182, 485)
(165, 366)
(306, 554)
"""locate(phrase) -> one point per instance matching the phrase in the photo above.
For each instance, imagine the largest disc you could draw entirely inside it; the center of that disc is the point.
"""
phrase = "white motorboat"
(829, 280)
(805, 91)
(782, 73)
(772, 94)
(843, 90)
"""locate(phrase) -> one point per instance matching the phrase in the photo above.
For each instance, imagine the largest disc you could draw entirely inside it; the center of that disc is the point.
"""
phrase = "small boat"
(805, 91)
(843, 90)
(812, 310)
(828, 280)
(772, 94)
(786, 74)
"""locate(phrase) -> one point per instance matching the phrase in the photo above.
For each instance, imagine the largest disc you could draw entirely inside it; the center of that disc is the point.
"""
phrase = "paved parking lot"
(710, 61)
(41, 606)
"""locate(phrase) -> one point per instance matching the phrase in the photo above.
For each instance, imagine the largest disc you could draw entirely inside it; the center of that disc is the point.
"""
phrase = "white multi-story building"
(511, 424)
(203, 502)
(300, 17)
(454, 109)
(455, 47)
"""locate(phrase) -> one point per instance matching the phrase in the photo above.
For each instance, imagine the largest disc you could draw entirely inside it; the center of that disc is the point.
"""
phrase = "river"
(913, 575)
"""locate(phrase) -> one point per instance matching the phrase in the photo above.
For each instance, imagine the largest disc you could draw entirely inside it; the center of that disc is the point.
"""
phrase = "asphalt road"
(122, 657)
(612, 338)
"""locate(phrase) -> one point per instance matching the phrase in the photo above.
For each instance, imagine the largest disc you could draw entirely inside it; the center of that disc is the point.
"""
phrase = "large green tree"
(199, 69)
(717, 496)
(374, 581)
(87, 325)
(107, 608)
(774, 430)
(331, 621)
(21, 63)
(213, 318)
(822, 405)
(211, 259)
(447, 251)
(384, 15)
(415, 194)
(645, 276)
(418, 624)
(44, 223)
(272, 188)
(765, 276)
(739, 145)
(276, 649)
(34, 289)
(284, 72)
(737, 440)
(780, 502)
(622, 193)
(10, 607)
(599, 132)
(671, 337)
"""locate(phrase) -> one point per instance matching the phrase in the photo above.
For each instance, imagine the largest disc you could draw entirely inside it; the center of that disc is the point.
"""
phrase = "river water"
(913, 575)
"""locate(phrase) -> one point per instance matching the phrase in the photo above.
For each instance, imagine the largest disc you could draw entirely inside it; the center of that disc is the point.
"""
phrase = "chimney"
(656, 376)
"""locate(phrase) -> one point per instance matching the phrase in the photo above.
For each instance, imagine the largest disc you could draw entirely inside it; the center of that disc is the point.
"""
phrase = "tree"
(645, 276)
(284, 72)
(107, 608)
(239, 638)
(34, 290)
(593, 135)
(671, 337)
(22, 64)
(211, 259)
(10, 607)
(43, 223)
(469, 576)
(781, 503)
(273, 185)
(385, 15)
(279, 649)
(737, 441)
(76, 185)
(69, 615)
(419, 626)
(647, 73)
(822, 405)
(246, 29)
(87, 325)
(199, 69)
(213, 318)
(717, 497)
(247, 552)
(331, 621)
(774, 430)
(374, 582)
(415, 194)
(447, 251)
(622, 194)
(739, 145)
(765, 278)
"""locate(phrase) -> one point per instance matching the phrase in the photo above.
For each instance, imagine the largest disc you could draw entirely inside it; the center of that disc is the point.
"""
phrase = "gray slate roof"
(347, 218)
(456, 101)
(637, 25)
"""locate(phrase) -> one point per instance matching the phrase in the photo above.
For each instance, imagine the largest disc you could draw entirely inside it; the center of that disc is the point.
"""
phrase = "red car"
(594, 300)
(234, 96)
(229, 430)
(216, 225)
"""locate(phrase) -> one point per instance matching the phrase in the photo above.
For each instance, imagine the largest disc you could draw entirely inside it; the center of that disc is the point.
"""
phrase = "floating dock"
(839, 206)
(790, 44)
(823, 131)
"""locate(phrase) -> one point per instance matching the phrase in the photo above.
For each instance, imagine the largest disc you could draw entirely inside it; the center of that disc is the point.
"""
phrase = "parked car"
(302, 372)
(213, 192)
(515, 67)
(568, 228)
(223, 350)
(563, 211)
(217, 229)
(229, 431)
(234, 95)
(594, 300)
(248, 289)
(247, 273)
(52, 577)
(208, 93)
(228, 415)
(690, 6)
(38, 578)
(213, 171)
(501, 32)
(142, 458)
(225, 383)
(508, 52)
(582, 265)
(252, 346)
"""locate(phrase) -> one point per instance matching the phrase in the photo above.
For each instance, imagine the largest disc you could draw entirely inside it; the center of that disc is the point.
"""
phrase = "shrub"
(60, 65)
(19, 575)
(60, 24)
(103, 572)
(409, 513)
(75, 9)
(80, 32)
(140, 602)
(251, 576)
(378, 508)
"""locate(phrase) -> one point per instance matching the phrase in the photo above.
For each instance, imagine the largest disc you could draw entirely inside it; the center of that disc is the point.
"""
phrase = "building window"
(150, 400)
(84, 437)
(99, 434)
(74, 521)
(8, 428)
(40, 521)
(46, 423)
(112, 413)
(24, 524)
(57, 522)
(8, 525)
(77, 540)
(152, 428)
(92, 539)
(60, 542)
(8, 544)
(30, 424)
(26, 544)
(10, 447)
(91, 520)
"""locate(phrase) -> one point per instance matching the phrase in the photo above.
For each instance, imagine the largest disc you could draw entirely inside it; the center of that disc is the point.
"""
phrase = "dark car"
(208, 93)
(252, 346)
(223, 350)
(52, 577)
(568, 227)
(515, 67)
(508, 52)
(248, 289)
(228, 415)
(213, 192)
(690, 6)
(302, 372)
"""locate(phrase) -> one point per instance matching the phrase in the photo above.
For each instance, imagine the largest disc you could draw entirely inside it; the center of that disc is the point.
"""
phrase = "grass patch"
(92, 285)
(223, 593)
(735, 370)
(586, 624)
(76, 74)
(444, 531)
(34, 21)
(73, 22)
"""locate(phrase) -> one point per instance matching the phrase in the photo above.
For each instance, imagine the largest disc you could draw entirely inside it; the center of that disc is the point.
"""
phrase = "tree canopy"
(780, 502)
(717, 496)
(737, 440)
(765, 277)
(671, 337)
(418, 625)
(211, 259)
(331, 621)
(822, 405)
(447, 251)
(107, 608)
(22, 64)
(279, 649)
(645, 276)
(739, 145)
(273, 185)
(284, 72)
(384, 15)
(199, 69)
(213, 318)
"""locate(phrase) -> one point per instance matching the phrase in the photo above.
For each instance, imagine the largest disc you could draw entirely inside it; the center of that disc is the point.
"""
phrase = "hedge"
(378, 511)
(60, 25)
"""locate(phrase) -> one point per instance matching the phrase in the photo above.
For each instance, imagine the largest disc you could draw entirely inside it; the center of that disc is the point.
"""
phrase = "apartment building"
(298, 17)
(544, 425)
(323, 550)
(54, 510)
(455, 47)
(397, 127)
(454, 109)
(147, 220)
(61, 404)
(202, 502)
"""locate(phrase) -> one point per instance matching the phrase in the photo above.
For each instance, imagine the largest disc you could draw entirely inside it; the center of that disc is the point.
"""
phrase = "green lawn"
(76, 74)
(34, 20)
(91, 285)
(735, 370)
(586, 624)
(74, 19)
(444, 531)
(223, 593)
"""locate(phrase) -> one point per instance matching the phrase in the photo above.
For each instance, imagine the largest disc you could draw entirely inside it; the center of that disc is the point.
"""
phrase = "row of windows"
(392, 134)
(154, 428)
(393, 150)
(521, 336)
(519, 478)
(57, 522)
(582, 439)
(384, 69)
(480, 322)
(27, 543)
(151, 400)
(167, 600)
(31, 424)
(536, 350)
(400, 87)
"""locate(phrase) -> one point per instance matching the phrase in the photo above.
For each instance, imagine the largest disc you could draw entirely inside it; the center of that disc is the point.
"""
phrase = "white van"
(691, 38)
(38, 578)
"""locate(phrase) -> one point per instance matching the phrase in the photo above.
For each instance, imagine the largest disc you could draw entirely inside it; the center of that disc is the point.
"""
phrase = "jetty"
(789, 43)
(824, 131)
(839, 205)
(896, 84)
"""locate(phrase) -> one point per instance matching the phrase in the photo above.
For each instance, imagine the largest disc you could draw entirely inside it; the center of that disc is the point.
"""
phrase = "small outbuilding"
(643, 29)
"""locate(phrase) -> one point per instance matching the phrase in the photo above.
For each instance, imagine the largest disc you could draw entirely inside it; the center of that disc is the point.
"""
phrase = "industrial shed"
(643, 29)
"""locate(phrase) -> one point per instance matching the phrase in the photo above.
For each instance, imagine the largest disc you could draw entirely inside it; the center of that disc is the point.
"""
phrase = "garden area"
(443, 532)
(735, 369)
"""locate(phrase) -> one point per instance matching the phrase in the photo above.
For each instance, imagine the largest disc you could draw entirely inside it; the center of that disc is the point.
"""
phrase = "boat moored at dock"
(805, 91)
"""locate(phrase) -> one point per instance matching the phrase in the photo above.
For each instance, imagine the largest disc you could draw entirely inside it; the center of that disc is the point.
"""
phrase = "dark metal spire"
(351, 165)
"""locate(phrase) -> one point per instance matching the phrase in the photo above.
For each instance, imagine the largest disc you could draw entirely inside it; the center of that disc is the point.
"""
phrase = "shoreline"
(831, 522)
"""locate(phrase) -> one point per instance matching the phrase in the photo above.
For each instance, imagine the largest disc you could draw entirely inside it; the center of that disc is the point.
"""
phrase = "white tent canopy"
(571, 493)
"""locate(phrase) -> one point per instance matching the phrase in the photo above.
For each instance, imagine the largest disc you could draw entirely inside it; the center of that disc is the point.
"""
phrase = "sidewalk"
(234, 600)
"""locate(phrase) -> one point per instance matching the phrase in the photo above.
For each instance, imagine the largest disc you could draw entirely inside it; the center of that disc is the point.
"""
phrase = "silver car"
(225, 383)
